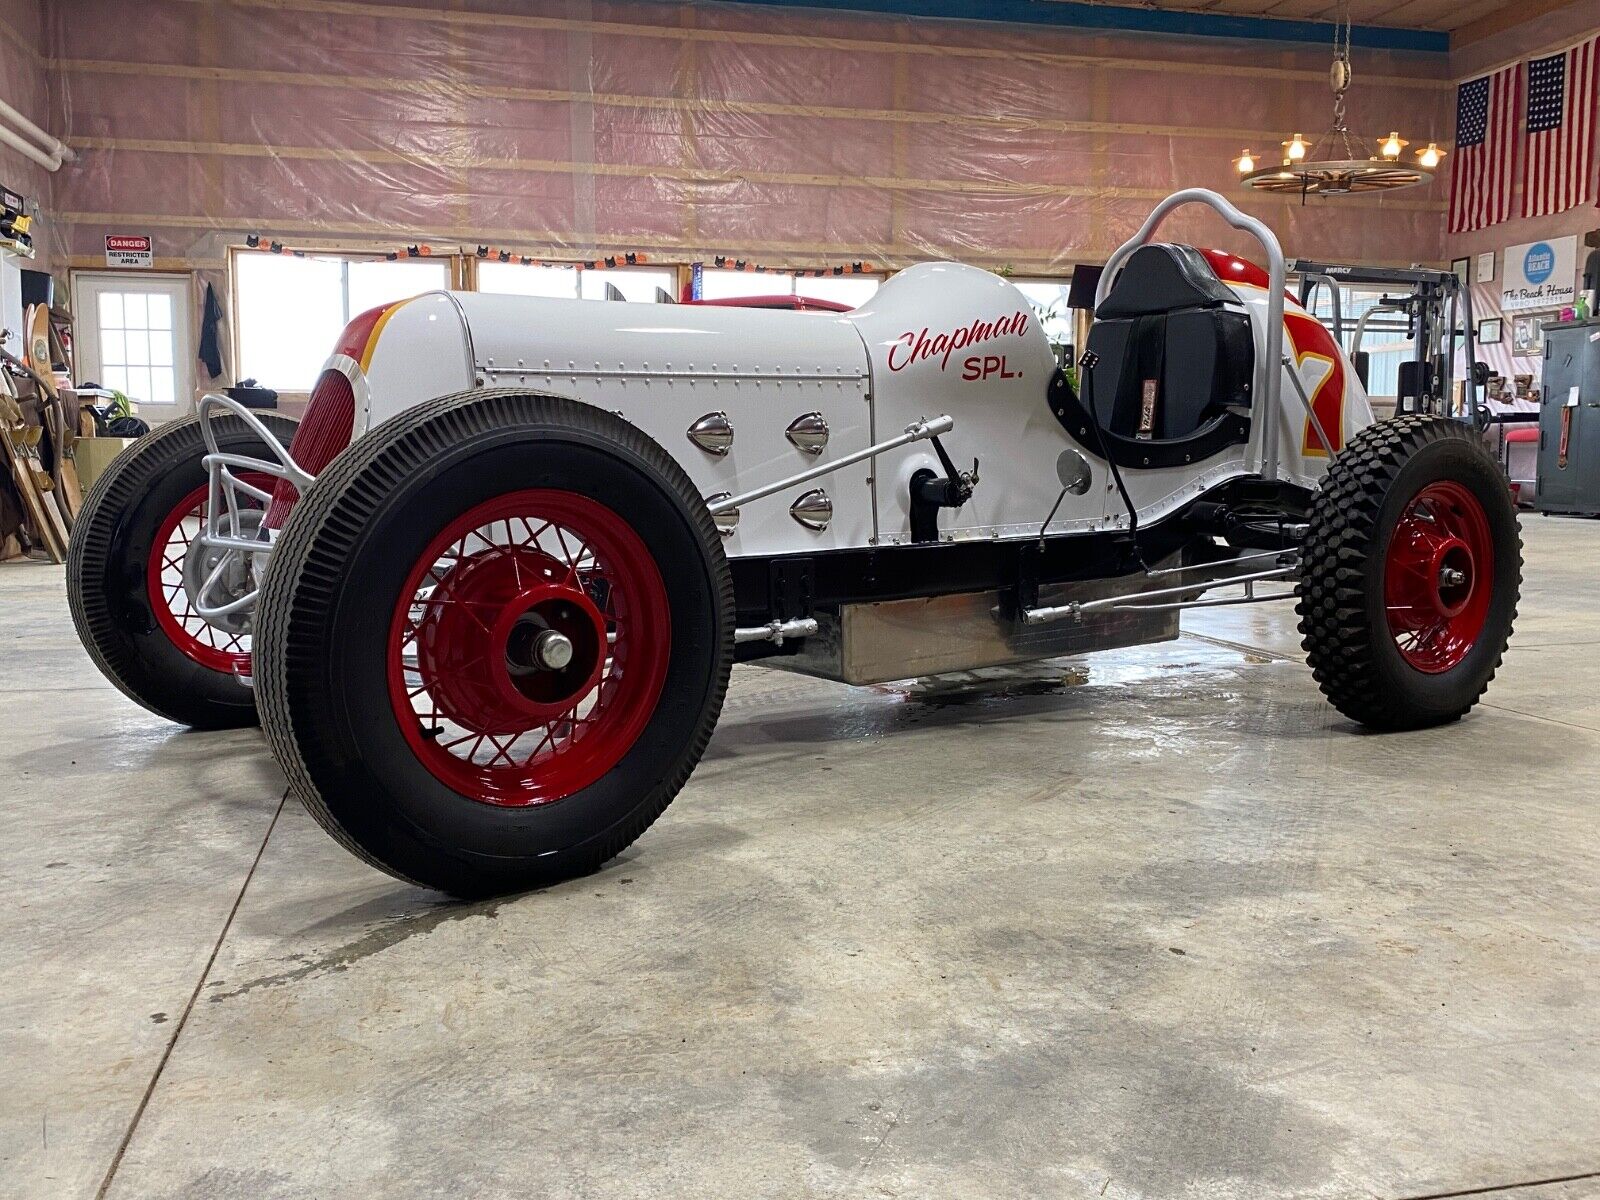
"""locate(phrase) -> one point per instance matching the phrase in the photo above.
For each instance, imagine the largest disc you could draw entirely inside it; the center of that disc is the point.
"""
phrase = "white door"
(134, 334)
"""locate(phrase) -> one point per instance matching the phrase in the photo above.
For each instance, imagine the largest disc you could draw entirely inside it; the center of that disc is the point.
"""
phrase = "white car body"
(915, 350)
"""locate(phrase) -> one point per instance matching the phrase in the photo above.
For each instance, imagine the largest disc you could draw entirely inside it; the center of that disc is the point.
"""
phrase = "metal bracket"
(790, 587)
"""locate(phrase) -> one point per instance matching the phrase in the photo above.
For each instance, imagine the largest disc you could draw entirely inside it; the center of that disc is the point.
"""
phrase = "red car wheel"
(1437, 577)
(494, 641)
(528, 647)
(1410, 571)
(125, 577)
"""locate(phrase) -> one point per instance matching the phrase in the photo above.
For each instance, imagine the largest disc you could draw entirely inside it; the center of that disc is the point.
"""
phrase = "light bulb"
(1296, 148)
(1245, 163)
(1430, 157)
(1392, 145)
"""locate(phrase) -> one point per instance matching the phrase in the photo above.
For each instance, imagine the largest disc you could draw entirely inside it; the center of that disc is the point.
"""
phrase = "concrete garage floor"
(1158, 924)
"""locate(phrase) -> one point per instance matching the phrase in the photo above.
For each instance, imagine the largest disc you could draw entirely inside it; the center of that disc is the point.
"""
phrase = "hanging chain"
(1342, 72)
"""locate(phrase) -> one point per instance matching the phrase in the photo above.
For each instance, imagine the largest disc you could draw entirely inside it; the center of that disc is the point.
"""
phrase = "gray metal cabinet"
(1571, 360)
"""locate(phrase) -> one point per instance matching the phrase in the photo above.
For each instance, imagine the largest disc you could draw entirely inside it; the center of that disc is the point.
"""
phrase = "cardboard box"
(93, 455)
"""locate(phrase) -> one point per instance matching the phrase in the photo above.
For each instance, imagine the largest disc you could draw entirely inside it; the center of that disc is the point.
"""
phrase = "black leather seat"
(1176, 358)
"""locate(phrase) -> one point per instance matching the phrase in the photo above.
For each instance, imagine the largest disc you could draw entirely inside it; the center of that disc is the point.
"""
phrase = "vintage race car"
(487, 601)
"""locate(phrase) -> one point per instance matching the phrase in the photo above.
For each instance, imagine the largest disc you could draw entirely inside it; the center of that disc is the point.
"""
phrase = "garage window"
(643, 284)
(1386, 339)
(291, 309)
(722, 284)
(1049, 300)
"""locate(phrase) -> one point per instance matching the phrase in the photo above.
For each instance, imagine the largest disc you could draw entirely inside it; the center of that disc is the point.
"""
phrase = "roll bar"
(1264, 422)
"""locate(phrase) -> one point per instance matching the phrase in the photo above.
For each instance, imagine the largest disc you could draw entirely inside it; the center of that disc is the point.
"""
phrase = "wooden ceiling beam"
(1502, 19)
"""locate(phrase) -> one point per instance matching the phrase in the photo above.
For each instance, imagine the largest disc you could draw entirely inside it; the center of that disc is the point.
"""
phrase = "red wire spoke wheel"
(126, 576)
(494, 641)
(1410, 572)
(529, 647)
(212, 647)
(1438, 575)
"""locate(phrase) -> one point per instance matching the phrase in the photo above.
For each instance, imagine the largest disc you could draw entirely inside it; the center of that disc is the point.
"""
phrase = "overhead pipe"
(54, 151)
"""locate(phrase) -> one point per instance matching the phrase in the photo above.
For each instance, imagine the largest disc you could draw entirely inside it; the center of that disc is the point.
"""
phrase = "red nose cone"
(325, 430)
(330, 418)
(356, 340)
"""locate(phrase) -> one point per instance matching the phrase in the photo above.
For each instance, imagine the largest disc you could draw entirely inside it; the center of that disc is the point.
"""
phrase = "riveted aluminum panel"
(664, 366)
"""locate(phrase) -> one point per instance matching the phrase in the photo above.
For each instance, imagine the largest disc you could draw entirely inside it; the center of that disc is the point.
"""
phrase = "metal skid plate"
(903, 639)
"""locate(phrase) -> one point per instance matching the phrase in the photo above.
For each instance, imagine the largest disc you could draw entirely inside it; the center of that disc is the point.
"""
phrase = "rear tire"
(400, 626)
(136, 625)
(1410, 573)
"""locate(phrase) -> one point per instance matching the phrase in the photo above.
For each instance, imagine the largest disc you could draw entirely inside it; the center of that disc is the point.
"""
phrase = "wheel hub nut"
(1451, 577)
(552, 650)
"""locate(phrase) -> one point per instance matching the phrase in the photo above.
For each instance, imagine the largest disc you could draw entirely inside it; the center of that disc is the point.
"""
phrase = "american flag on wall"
(1487, 125)
(1560, 164)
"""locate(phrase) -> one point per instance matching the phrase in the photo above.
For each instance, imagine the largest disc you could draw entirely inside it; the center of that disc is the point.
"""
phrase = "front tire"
(125, 577)
(1410, 573)
(494, 641)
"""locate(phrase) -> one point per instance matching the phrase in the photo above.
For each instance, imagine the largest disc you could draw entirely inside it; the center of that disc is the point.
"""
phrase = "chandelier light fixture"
(1339, 163)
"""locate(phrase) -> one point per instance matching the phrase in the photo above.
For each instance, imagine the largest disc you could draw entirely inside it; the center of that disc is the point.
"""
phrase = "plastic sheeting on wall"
(688, 130)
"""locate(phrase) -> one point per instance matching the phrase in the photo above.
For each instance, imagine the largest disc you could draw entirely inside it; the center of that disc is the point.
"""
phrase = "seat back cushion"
(1165, 377)
(1162, 278)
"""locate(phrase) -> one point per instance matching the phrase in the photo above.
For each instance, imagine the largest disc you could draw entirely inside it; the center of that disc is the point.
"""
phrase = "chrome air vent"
(713, 433)
(808, 432)
(813, 510)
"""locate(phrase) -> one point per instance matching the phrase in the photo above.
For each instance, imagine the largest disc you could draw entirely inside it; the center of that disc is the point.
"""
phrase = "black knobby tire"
(1343, 606)
(324, 638)
(107, 583)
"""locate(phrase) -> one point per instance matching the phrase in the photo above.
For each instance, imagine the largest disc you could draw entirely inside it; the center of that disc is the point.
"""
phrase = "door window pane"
(138, 383)
(163, 386)
(129, 342)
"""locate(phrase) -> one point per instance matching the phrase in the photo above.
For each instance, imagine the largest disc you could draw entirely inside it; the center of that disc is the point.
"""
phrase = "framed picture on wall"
(1486, 267)
(1489, 331)
(1527, 336)
(1459, 267)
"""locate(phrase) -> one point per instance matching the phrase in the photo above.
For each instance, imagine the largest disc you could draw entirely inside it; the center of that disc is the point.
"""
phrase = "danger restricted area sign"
(128, 250)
